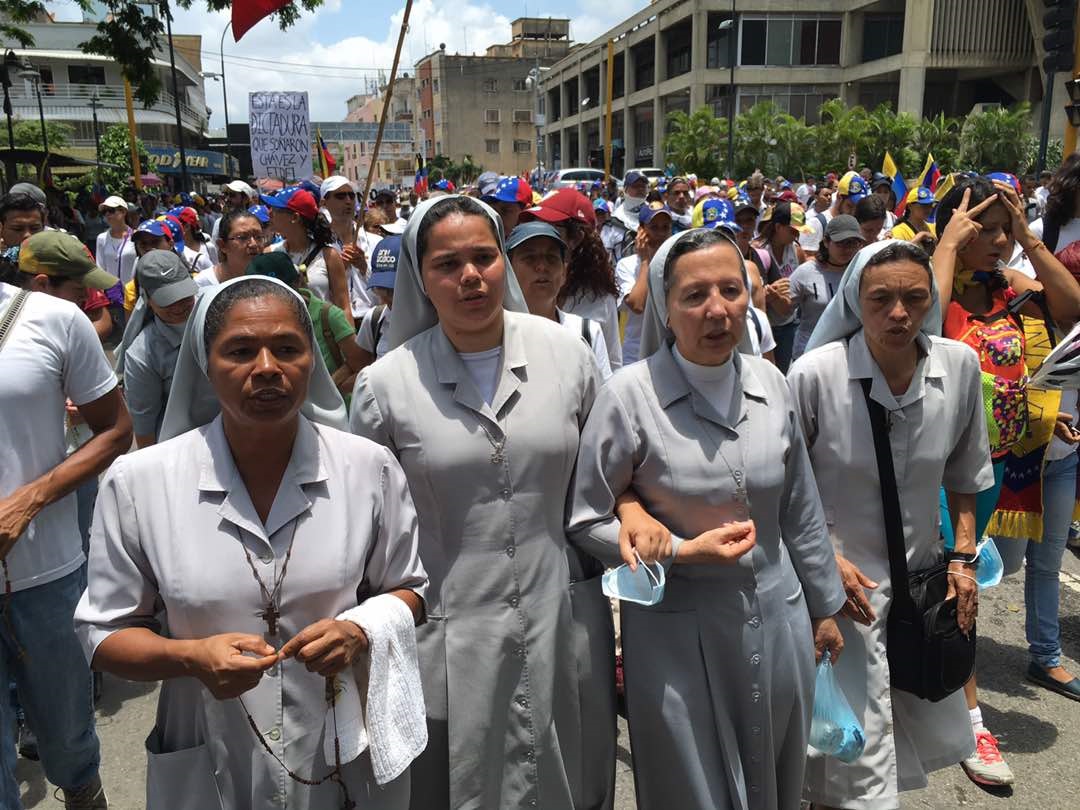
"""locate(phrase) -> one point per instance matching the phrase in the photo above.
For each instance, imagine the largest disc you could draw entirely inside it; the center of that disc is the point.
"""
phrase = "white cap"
(113, 202)
(333, 183)
(394, 228)
(241, 187)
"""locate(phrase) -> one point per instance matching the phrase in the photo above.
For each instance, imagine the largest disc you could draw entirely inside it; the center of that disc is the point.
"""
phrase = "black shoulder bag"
(928, 654)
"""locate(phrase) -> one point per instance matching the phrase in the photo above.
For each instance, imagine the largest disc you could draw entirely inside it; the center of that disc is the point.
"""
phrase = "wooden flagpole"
(386, 101)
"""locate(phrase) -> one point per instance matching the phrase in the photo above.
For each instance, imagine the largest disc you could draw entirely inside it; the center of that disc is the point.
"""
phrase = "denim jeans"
(1042, 584)
(54, 685)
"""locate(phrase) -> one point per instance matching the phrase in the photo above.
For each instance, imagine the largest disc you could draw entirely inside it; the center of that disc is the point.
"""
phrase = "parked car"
(571, 177)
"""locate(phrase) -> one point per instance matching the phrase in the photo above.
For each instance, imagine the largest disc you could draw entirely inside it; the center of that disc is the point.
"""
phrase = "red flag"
(245, 13)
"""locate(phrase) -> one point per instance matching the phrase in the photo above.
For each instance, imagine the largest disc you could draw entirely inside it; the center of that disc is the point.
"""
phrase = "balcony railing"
(111, 97)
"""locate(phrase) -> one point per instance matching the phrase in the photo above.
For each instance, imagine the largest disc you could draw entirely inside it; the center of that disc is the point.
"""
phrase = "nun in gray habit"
(517, 655)
(720, 673)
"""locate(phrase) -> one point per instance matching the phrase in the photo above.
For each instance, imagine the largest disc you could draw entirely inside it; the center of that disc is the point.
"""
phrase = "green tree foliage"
(28, 134)
(130, 37)
(774, 142)
(465, 172)
(116, 150)
(695, 143)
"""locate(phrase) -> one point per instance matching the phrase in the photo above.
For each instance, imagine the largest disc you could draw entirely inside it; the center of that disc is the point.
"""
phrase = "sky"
(334, 49)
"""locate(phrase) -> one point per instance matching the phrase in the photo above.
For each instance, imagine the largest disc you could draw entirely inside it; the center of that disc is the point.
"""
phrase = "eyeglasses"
(344, 195)
(108, 211)
(240, 238)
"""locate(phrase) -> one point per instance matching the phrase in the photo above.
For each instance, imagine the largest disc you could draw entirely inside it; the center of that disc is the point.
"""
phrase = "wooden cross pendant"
(497, 456)
(270, 614)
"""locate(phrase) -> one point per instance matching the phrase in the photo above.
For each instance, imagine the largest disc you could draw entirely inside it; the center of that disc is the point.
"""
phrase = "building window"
(553, 105)
(520, 86)
(86, 74)
(618, 88)
(523, 116)
(883, 35)
(491, 85)
(678, 41)
(644, 64)
(522, 146)
(799, 100)
(790, 39)
(491, 116)
(491, 146)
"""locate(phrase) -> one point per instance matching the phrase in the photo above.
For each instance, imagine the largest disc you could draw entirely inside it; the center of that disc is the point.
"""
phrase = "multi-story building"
(73, 84)
(484, 106)
(923, 56)
(396, 163)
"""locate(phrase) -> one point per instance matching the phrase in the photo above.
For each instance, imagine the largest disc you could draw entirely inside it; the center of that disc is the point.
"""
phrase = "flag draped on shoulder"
(245, 13)
(899, 187)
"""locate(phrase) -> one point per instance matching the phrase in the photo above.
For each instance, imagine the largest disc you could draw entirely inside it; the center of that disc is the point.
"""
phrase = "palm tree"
(696, 142)
(999, 140)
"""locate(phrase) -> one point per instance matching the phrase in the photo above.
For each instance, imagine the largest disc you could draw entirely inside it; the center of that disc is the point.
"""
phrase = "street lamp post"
(31, 73)
(9, 63)
(224, 93)
(176, 97)
(533, 81)
(94, 102)
(729, 27)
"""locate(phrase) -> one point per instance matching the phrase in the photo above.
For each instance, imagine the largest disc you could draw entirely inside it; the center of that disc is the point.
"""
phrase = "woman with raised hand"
(482, 404)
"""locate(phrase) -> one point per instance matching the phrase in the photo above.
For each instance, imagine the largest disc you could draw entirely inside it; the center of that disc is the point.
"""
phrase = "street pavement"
(1039, 731)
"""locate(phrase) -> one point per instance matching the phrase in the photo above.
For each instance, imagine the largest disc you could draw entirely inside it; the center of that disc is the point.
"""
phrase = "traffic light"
(1072, 109)
(1059, 39)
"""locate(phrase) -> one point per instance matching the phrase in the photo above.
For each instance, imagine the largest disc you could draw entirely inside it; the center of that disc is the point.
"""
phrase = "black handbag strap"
(890, 503)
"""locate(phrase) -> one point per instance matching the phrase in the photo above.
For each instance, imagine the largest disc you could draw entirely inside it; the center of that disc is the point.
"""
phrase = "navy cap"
(384, 260)
(530, 230)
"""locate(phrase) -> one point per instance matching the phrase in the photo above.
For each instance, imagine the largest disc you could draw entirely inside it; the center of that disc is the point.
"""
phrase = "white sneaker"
(986, 766)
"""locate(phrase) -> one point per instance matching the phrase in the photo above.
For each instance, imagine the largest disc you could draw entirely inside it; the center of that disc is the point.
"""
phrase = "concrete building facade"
(923, 56)
(484, 106)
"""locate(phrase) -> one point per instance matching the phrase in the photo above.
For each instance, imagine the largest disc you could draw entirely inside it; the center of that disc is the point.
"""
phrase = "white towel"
(394, 722)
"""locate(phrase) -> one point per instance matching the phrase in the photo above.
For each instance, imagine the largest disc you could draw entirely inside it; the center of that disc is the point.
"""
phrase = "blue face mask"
(644, 586)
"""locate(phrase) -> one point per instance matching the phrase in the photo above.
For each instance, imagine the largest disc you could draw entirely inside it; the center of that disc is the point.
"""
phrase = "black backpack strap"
(585, 333)
(377, 327)
(1051, 234)
(824, 223)
(757, 326)
(890, 504)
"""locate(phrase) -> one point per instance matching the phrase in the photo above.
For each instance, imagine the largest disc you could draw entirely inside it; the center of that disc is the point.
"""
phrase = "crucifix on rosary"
(740, 487)
(270, 614)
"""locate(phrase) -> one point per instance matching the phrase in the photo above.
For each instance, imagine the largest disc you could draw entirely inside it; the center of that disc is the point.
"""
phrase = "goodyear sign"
(167, 161)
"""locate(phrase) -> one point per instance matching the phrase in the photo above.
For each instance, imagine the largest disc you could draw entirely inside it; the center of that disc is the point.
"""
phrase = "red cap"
(564, 204)
(189, 216)
(787, 195)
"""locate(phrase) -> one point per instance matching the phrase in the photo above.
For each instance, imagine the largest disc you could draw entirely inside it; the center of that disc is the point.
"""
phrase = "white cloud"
(468, 27)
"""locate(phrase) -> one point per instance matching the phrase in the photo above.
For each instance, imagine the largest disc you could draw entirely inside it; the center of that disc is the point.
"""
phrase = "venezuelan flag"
(420, 181)
(327, 164)
(899, 186)
(930, 174)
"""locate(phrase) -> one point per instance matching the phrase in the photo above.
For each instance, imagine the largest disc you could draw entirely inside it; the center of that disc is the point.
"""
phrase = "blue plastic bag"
(991, 567)
(834, 730)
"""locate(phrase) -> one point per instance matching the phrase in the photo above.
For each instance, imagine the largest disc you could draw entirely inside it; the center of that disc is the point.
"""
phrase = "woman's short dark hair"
(228, 222)
(900, 252)
(1062, 192)
(981, 189)
(699, 239)
(465, 206)
(246, 290)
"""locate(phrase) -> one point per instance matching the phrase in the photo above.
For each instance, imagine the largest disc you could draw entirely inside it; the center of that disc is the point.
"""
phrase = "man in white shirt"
(632, 274)
(237, 194)
(51, 356)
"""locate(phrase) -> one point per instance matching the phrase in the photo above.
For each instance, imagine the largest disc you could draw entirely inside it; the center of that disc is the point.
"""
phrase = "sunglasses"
(108, 211)
(344, 195)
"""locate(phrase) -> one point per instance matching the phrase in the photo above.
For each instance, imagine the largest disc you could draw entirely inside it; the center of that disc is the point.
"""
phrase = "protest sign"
(280, 135)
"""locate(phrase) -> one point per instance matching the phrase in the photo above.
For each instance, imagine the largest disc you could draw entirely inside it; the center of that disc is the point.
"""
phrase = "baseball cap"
(852, 186)
(717, 214)
(921, 195)
(787, 213)
(531, 230)
(787, 195)
(261, 213)
(647, 213)
(295, 199)
(275, 264)
(163, 276)
(601, 204)
(742, 202)
(113, 202)
(632, 177)
(176, 230)
(30, 190)
(560, 206)
(880, 180)
(186, 214)
(240, 187)
(394, 228)
(384, 261)
(333, 183)
(841, 227)
(60, 255)
(153, 227)
(487, 182)
(511, 190)
(1005, 177)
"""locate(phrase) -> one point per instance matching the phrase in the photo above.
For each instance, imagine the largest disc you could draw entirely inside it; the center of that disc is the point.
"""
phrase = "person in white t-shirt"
(51, 355)
(338, 199)
(538, 255)
(817, 217)
(236, 195)
(240, 239)
(115, 252)
(632, 274)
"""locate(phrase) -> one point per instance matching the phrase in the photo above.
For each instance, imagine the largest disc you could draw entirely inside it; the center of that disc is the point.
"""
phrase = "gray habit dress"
(517, 656)
(720, 674)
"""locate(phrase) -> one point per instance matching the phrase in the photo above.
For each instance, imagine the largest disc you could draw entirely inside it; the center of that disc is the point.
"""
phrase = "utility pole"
(184, 185)
(94, 102)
